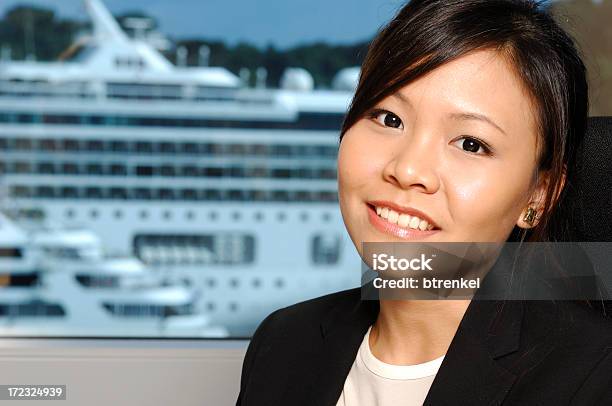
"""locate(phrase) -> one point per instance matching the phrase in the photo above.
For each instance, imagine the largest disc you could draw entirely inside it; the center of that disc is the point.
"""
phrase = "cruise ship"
(229, 188)
(56, 281)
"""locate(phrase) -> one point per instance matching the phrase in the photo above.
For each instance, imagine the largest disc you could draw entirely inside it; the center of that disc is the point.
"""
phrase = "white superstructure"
(229, 188)
(57, 282)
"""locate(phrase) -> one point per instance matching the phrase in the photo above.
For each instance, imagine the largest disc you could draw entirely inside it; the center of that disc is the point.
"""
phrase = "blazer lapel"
(470, 373)
(342, 332)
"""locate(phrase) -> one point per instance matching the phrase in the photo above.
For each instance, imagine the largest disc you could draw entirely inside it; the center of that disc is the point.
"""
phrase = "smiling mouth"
(402, 220)
(398, 224)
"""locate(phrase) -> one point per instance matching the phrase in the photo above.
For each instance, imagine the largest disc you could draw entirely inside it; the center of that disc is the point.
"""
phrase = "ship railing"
(127, 91)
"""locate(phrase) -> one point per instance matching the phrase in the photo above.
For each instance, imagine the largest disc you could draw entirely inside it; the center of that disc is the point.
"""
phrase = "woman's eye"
(387, 119)
(473, 145)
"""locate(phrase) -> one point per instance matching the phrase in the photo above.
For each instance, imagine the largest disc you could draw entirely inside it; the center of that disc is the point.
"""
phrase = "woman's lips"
(384, 226)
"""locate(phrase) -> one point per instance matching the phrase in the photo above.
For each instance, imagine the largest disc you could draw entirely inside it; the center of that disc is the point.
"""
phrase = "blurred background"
(168, 169)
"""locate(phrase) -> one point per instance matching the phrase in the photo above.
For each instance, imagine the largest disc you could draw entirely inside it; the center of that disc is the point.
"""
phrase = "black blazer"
(511, 353)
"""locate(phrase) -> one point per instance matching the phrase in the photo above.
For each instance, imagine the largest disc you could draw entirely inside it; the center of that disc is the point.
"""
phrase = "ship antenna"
(104, 24)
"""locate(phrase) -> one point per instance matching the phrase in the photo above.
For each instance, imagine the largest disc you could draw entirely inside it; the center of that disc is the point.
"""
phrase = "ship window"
(3, 143)
(70, 145)
(167, 170)
(24, 144)
(189, 148)
(20, 191)
(327, 173)
(167, 148)
(70, 192)
(189, 194)
(166, 194)
(10, 252)
(302, 196)
(280, 195)
(304, 173)
(281, 173)
(118, 193)
(70, 168)
(213, 172)
(144, 147)
(325, 248)
(45, 168)
(219, 149)
(118, 169)
(259, 149)
(119, 146)
(237, 149)
(22, 167)
(93, 193)
(94, 169)
(260, 195)
(45, 191)
(208, 148)
(282, 150)
(94, 146)
(144, 170)
(257, 172)
(212, 194)
(97, 281)
(142, 194)
(236, 171)
(47, 145)
(236, 194)
(33, 308)
(189, 170)
(328, 196)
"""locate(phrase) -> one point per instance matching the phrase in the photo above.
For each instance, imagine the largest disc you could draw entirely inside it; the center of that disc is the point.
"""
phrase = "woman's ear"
(531, 214)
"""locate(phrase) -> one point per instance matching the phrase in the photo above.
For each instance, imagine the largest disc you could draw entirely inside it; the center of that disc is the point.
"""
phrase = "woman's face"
(449, 157)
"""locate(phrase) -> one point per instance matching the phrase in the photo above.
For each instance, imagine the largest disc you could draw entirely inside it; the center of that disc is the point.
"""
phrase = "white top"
(372, 382)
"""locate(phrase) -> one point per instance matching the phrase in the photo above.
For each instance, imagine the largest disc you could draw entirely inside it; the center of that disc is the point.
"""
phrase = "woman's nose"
(414, 164)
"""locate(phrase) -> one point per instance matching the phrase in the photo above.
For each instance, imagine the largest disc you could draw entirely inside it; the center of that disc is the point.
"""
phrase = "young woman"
(463, 128)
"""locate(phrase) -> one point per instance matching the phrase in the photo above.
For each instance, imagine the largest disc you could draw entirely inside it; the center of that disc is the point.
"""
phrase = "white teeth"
(393, 216)
(403, 220)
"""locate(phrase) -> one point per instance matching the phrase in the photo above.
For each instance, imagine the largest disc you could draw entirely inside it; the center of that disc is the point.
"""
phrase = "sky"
(283, 23)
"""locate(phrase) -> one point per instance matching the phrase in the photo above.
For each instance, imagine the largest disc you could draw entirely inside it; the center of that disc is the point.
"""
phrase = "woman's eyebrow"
(478, 117)
(456, 116)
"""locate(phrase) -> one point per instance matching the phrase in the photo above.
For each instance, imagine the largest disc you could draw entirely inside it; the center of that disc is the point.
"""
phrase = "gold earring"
(530, 216)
